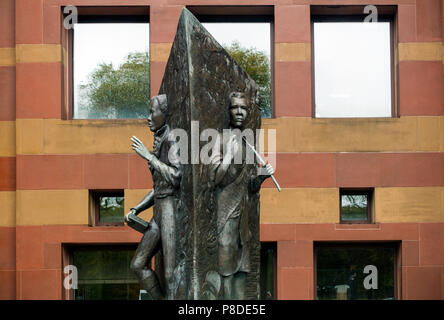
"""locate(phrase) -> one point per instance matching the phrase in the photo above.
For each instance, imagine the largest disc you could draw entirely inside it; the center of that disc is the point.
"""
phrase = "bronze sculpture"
(208, 227)
(166, 171)
(234, 181)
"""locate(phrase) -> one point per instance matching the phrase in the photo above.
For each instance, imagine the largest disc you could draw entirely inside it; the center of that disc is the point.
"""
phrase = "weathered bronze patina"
(208, 218)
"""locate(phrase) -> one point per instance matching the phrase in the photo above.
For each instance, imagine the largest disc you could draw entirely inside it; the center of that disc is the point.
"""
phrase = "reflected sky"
(352, 69)
(96, 43)
(249, 35)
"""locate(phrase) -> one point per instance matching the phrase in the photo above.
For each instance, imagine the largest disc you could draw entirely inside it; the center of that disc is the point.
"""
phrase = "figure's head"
(158, 112)
(238, 109)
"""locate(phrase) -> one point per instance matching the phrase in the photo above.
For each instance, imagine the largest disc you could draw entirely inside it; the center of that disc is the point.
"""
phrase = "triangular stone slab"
(198, 78)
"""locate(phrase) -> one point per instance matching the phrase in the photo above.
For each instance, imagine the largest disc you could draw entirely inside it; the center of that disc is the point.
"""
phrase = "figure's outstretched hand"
(140, 148)
(132, 211)
(269, 168)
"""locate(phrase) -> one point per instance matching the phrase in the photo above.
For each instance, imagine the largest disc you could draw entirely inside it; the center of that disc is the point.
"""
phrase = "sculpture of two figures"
(232, 181)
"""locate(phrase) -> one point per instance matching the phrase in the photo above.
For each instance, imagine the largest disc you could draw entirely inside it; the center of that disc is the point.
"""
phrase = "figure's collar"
(161, 131)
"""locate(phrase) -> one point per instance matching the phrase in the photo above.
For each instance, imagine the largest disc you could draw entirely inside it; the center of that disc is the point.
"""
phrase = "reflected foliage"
(354, 207)
(122, 92)
(257, 64)
(343, 267)
(111, 209)
(105, 274)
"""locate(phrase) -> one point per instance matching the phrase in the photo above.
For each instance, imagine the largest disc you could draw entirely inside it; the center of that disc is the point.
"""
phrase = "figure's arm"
(146, 203)
(171, 173)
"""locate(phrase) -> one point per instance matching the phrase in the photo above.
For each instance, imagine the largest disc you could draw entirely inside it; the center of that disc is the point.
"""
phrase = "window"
(104, 273)
(353, 64)
(355, 271)
(356, 205)
(107, 208)
(245, 32)
(110, 63)
(268, 270)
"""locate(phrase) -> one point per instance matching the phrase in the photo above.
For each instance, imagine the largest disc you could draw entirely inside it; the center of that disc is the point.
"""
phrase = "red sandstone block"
(413, 169)
(7, 173)
(295, 254)
(423, 283)
(52, 25)
(29, 247)
(428, 20)
(389, 170)
(442, 283)
(293, 89)
(39, 90)
(432, 232)
(294, 283)
(7, 93)
(7, 248)
(277, 232)
(7, 288)
(420, 88)
(304, 170)
(359, 170)
(163, 22)
(431, 245)
(52, 256)
(431, 252)
(7, 26)
(292, 23)
(49, 172)
(40, 285)
(108, 171)
(410, 253)
(407, 23)
(157, 69)
(139, 173)
(404, 283)
(28, 20)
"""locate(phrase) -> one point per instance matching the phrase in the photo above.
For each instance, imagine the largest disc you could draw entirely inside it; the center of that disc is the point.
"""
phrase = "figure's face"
(238, 112)
(156, 119)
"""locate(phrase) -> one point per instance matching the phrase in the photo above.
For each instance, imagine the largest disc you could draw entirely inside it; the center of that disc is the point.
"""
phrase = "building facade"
(51, 165)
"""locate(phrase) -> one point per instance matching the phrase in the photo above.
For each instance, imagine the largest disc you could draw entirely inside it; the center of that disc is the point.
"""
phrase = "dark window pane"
(267, 271)
(354, 207)
(340, 272)
(105, 274)
(111, 70)
(111, 210)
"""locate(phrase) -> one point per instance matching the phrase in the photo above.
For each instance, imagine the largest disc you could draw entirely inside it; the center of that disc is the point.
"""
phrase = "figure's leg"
(168, 234)
(228, 287)
(140, 263)
(229, 255)
(239, 282)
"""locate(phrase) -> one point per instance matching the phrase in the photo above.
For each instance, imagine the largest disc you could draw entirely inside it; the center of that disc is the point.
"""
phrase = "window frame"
(354, 13)
(369, 192)
(94, 207)
(239, 14)
(395, 245)
(93, 14)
